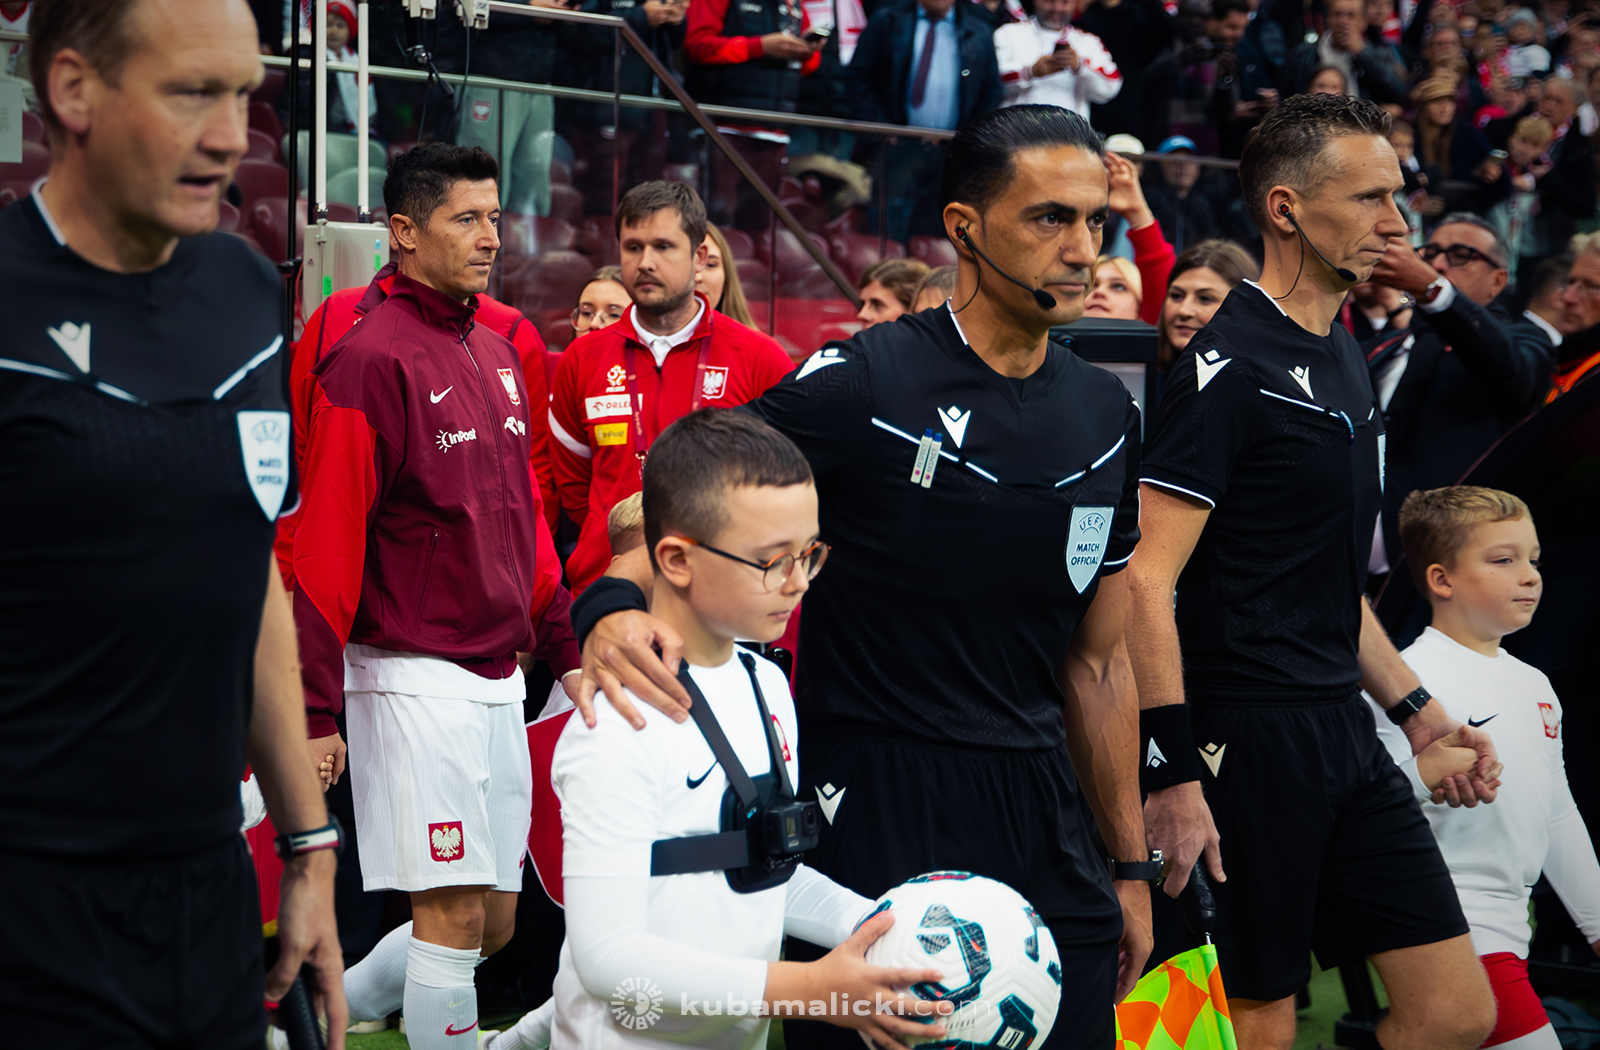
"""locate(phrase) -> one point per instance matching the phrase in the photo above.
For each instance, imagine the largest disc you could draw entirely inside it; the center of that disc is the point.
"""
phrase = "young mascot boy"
(731, 524)
(1475, 556)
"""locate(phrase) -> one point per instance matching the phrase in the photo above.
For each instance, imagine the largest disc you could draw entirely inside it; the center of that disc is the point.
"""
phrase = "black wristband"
(1409, 705)
(1167, 754)
(603, 597)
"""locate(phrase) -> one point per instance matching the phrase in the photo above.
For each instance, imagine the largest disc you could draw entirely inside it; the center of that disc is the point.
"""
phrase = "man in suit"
(931, 64)
(1461, 374)
(1567, 187)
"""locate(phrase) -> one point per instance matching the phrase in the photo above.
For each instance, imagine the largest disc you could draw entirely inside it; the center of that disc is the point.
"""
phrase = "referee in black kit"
(979, 487)
(1262, 484)
(146, 646)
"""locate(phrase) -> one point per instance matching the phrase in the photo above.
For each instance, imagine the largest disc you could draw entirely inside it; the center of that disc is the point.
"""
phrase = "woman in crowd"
(889, 289)
(1454, 147)
(1152, 255)
(1201, 278)
(719, 281)
(602, 301)
(1115, 290)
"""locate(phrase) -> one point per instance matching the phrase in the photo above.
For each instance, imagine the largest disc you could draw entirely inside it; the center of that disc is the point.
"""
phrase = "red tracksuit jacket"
(592, 427)
(418, 527)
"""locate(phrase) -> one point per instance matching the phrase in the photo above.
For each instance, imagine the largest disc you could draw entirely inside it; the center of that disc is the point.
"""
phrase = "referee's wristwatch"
(1136, 870)
(329, 836)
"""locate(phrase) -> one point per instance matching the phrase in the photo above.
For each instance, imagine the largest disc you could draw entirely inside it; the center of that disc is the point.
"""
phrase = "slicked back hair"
(702, 455)
(1289, 146)
(420, 179)
(981, 161)
(99, 30)
(647, 198)
(1502, 253)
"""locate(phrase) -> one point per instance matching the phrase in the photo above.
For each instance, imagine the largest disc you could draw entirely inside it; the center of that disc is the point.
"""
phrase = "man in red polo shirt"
(617, 388)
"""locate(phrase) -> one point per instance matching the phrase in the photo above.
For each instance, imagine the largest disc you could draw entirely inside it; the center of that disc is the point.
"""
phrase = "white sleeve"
(609, 781)
(1570, 864)
(1097, 71)
(1419, 790)
(255, 806)
(1016, 68)
(610, 941)
(819, 910)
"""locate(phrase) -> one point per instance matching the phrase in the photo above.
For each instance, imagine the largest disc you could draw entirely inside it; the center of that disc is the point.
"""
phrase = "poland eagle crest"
(444, 841)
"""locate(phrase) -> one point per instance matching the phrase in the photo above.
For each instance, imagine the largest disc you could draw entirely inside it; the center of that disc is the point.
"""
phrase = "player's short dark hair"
(1287, 148)
(96, 29)
(1548, 276)
(700, 456)
(1502, 251)
(420, 179)
(1221, 9)
(901, 276)
(981, 160)
(1434, 524)
(647, 198)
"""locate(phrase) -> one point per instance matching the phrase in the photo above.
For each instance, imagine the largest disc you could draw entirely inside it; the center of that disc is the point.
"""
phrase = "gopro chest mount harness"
(764, 828)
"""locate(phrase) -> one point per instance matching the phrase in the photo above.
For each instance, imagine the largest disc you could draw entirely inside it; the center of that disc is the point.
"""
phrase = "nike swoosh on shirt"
(449, 1030)
(1476, 724)
(436, 398)
(693, 782)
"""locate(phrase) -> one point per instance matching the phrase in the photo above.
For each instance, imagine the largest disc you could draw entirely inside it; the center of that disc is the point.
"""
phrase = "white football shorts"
(443, 791)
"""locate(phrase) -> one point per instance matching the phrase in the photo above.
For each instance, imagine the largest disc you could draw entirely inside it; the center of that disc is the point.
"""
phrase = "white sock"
(441, 1004)
(530, 1033)
(376, 986)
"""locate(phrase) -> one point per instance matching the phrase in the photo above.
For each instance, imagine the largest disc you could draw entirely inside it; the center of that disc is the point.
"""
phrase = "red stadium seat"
(555, 328)
(814, 283)
(566, 203)
(7, 196)
(227, 218)
(754, 277)
(34, 164)
(855, 253)
(935, 251)
(33, 128)
(258, 179)
(551, 281)
(528, 235)
(264, 118)
(268, 219)
(397, 148)
(739, 243)
(262, 146)
(271, 85)
(791, 257)
(598, 240)
(560, 173)
(18, 189)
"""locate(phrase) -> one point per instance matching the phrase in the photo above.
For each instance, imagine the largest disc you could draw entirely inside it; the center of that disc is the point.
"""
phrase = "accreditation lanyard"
(630, 356)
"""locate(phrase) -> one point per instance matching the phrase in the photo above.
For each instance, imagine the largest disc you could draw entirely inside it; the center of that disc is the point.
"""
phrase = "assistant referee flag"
(1179, 1005)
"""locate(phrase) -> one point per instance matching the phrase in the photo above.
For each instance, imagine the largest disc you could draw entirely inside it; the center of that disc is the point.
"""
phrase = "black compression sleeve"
(605, 596)
(1167, 754)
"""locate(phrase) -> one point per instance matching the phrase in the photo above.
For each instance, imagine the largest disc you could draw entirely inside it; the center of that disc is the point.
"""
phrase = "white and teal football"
(1000, 966)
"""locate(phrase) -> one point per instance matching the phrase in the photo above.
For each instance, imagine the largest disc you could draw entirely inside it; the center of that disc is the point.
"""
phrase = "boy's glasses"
(776, 572)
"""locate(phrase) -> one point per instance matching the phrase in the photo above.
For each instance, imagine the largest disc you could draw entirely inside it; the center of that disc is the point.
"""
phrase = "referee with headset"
(963, 687)
(147, 650)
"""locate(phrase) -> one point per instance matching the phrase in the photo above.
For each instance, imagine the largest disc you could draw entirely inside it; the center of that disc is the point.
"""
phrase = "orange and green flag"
(1180, 1005)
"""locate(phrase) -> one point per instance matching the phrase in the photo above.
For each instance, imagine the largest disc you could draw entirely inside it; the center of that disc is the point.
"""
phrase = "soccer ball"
(1000, 966)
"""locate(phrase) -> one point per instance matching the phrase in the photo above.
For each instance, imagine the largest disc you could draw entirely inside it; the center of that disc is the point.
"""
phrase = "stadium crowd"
(1186, 175)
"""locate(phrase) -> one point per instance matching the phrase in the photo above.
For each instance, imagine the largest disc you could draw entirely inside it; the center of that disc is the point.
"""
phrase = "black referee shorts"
(903, 809)
(1325, 848)
(132, 954)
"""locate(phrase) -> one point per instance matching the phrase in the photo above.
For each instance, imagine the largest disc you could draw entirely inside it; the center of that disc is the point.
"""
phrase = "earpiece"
(1045, 300)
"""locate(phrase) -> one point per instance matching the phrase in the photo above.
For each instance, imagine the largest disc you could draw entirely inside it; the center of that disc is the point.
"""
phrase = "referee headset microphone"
(1288, 213)
(1045, 300)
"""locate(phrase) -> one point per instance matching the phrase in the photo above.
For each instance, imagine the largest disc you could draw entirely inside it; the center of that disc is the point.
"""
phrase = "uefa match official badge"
(636, 1003)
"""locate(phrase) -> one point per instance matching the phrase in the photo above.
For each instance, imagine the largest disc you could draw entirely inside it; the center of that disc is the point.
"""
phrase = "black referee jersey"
(144, 455)
(953, 591)
(1278, 429)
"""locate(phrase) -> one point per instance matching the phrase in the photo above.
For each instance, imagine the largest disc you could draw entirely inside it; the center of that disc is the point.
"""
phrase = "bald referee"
(147, 650)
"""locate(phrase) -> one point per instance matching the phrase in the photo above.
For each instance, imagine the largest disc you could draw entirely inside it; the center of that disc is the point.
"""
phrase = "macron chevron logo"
(74, 342)
(1153, 756)
(1302, 375)
(955, 421)
(828, 798)
(1207, 365)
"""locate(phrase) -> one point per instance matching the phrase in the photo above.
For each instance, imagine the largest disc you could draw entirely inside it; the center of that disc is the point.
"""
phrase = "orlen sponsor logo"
(608, 405)
(448, 438)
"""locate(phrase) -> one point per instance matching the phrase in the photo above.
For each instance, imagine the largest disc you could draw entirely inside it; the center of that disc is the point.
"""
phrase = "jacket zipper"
(427, 574)
(499, 458)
